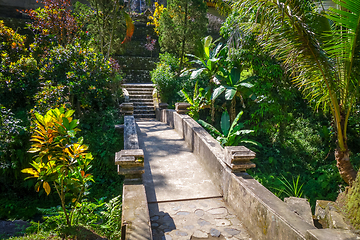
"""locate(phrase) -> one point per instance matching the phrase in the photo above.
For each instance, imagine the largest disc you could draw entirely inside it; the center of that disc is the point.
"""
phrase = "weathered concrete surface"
(172, 171)
(269, 217)
(331, 234)
(135, 213)
(196, 219)
(301, 207)
(131, 140)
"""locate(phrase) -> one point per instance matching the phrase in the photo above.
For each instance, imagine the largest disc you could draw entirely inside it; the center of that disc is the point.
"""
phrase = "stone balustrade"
(238, 158)
(182, 107)
(267, 215)
(127, 108)
(131, 163)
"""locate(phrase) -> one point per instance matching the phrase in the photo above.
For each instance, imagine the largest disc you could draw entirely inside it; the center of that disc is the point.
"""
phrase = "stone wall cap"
(239, 153)
(132, 152)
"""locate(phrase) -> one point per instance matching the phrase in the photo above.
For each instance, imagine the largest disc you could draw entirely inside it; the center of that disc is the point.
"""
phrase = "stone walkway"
(183, 201)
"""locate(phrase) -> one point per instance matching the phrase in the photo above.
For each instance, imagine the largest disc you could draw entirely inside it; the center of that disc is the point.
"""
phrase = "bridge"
(181, 184)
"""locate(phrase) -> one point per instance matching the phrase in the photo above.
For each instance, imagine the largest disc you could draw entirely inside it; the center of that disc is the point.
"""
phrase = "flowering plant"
(150, 45)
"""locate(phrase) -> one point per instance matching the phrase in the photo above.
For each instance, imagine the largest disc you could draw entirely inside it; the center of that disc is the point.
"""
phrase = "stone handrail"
(267, 216)
(130, 162)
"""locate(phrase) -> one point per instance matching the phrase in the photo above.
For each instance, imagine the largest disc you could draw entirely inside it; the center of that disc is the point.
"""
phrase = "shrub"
(61, 158)
(54, 23)
(165, 81)
(91, 81)
(19, 81)
(13, 134)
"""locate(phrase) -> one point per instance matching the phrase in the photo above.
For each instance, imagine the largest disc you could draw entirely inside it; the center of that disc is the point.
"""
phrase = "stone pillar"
(130, 164)
(238, 158)
(163, 106)
(182, 107)
(127, 108)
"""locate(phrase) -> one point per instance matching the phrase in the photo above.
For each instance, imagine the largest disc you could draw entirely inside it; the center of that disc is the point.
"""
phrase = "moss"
(353, 203)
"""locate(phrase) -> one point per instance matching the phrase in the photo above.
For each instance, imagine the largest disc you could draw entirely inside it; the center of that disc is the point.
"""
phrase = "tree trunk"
(346, 170)
(212, 112)
(233, 110)
(182, 54)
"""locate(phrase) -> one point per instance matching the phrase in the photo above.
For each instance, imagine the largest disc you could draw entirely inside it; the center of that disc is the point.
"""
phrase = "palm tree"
(321, 51)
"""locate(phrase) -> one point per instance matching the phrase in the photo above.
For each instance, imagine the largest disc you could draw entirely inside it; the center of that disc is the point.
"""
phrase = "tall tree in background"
(182, 24)
(323, 60)
(108, 22)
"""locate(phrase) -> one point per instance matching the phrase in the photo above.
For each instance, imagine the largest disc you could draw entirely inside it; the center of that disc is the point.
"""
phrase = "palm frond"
(282, 30)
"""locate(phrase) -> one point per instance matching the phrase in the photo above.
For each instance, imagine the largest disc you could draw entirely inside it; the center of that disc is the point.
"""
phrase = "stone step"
(142, 107)
(148, 93)
(138, 85)
(150, 105)
(137, 63)
(142, 111)
(140, 97)
(147, 115)
(147, 89)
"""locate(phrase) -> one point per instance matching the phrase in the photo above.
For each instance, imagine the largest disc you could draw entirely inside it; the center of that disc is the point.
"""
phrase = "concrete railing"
(266, 216)
(130, 161)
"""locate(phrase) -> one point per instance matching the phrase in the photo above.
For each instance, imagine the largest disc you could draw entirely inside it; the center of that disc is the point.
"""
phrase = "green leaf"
(217, 92)
(235, 75)
(196, 73)
(235, 122)
(211, 128)
(69, 113)
(225, 123)
(66, 123)
(74, 123)
(71, 133)
(207, 44)
(230, 93)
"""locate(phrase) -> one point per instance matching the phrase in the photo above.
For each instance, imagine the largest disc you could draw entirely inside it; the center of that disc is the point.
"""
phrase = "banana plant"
(209, 61)
(233, 86)
(321, 52)
(230, 135)
(197, 102)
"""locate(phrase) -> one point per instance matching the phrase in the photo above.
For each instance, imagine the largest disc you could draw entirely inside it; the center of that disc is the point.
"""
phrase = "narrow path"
(183, 201)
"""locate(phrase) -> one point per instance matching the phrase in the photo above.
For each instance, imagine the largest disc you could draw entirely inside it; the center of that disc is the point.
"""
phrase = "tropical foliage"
(49, 65)
(322, 59)
(230, 135)
(61, 158)
(108, 23)
(181, 25)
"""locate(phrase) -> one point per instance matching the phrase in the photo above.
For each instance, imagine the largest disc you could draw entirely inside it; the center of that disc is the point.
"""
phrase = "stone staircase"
(140, 94)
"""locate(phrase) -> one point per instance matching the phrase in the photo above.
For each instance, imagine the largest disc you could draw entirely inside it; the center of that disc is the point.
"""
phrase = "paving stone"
(182, 213)
(214, 232)
(218, 211)
(189, 227)
(199, 212)
(203, 222)
(181, 233)
(176, 208)
(155, 218)
(167, 237)
(204, 204)
(232, 231)
(200, 234)
(220, 222)
(170, 224)
(172, 175)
